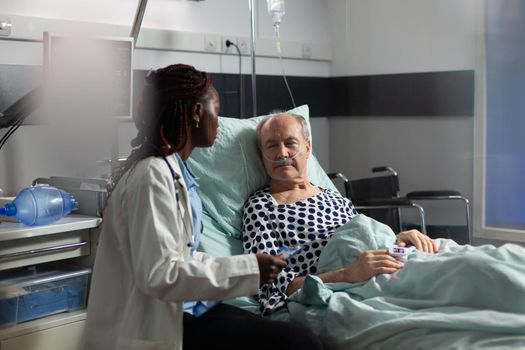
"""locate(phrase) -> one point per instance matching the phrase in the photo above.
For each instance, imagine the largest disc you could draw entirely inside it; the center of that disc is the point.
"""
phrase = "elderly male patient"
(294, 212)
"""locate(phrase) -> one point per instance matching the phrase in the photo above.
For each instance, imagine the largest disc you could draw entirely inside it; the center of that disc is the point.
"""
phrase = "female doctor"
(149, 287)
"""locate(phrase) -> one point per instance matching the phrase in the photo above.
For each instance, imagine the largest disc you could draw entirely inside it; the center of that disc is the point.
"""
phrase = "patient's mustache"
(285, 160)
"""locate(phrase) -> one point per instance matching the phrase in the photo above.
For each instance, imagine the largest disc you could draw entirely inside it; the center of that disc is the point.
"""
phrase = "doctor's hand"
(417, 239)
(369, 264)
(269, 267)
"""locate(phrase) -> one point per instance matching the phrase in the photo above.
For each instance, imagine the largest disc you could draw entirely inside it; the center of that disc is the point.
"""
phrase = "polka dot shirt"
(308, 223)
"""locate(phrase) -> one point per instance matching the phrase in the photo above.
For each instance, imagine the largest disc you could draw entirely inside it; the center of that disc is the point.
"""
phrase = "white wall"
(228, 18)
(178, 26)
(211, 16)
(403, 36)
(366, 37)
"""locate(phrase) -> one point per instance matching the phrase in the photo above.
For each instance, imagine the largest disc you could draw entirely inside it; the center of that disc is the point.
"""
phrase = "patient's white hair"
(276, 114)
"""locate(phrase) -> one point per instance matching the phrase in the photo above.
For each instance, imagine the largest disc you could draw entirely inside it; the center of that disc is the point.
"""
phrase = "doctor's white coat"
(141, 275)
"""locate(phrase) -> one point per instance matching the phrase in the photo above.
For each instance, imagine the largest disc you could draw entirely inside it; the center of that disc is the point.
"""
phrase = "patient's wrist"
(333, 276)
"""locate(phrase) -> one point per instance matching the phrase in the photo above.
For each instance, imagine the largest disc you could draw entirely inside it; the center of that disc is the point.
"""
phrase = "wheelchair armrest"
(346, 182)
(390, 202)
(337, 175)
(379, 169)
(443, 194)
(446, 195)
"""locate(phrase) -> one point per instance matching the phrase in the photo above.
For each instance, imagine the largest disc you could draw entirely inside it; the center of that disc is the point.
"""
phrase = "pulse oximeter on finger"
(399, 253)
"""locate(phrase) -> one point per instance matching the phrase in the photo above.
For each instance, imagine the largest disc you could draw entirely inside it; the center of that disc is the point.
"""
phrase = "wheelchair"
(379, 198)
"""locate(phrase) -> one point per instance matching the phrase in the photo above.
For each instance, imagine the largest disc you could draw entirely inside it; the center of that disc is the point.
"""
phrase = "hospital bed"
(231, 170)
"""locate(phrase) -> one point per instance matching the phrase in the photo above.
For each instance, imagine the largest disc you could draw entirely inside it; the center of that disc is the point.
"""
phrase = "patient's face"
(285, 149)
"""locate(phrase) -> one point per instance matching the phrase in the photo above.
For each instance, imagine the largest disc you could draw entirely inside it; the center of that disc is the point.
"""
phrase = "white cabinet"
(57, 332)
(22, 245)
(72, 240)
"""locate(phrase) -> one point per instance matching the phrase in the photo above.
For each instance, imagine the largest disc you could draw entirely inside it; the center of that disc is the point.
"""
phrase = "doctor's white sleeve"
(157, 249)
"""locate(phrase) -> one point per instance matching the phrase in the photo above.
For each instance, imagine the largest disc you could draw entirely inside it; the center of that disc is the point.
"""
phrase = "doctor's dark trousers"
(228, 327)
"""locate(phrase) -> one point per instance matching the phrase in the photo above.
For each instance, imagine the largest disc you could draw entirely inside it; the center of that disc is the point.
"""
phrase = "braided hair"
(164, 114)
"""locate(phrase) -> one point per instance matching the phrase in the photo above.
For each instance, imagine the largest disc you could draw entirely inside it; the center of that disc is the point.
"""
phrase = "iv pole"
(254, 85)
(139, 15)
(137, 22)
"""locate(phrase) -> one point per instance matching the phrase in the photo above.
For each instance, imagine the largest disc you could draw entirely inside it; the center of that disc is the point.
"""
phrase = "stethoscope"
(178, 188)
(176, 180)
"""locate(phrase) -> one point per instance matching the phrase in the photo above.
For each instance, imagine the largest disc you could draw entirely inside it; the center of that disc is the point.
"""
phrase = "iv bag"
(276, 10)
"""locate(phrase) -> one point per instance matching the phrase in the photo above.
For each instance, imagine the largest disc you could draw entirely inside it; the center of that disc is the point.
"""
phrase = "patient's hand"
(370, 263)
(417, 239)
(269, 267)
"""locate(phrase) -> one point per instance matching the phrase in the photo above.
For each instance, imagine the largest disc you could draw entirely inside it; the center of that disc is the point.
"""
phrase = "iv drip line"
(276, 10)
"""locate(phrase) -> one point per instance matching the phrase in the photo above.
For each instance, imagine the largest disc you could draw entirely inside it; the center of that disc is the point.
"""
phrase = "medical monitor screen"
(89, 74)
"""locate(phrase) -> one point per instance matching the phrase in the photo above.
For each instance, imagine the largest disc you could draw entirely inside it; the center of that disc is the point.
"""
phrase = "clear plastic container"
(28, 294)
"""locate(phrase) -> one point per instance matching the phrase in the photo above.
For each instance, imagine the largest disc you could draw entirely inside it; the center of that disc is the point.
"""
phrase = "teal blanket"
(464, 297)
